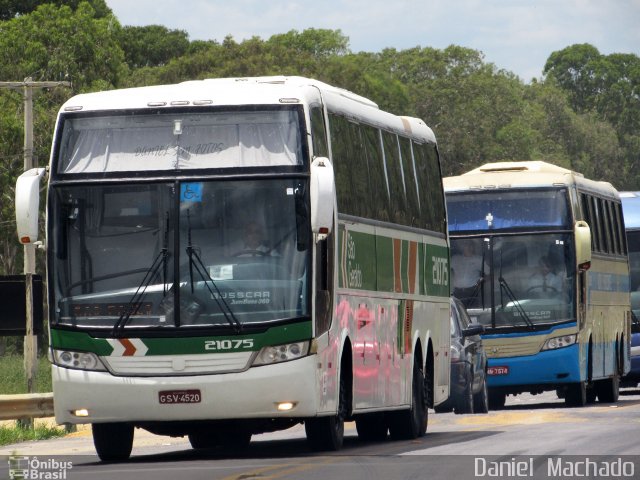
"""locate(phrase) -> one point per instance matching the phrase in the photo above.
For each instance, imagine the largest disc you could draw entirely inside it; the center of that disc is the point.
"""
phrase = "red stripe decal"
(129, 348)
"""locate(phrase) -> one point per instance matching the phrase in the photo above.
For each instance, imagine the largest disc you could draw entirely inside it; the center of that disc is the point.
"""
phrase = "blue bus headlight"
(559, 342)
(77, 360)
(281, 353)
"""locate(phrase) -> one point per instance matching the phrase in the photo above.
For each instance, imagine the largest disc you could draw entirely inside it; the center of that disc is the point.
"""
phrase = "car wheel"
(481, 399)
(465, 402)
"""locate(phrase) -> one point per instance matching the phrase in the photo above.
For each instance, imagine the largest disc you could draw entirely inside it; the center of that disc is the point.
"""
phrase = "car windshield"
(515, 280)
(180, 254)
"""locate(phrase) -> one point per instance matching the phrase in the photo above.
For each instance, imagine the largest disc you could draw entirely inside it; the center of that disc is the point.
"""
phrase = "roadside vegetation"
(13, 377)
(10, 434)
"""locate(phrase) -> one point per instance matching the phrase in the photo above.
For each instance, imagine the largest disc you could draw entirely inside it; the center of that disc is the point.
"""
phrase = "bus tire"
(113, 441)
(412, 423)
(608, 389)
(497, 400)
(327, 433)
(199, 440)
(236, 441)
(576, 394)
(372, 427)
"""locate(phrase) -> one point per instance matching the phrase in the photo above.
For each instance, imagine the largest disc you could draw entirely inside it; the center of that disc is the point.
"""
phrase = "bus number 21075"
(237, 344)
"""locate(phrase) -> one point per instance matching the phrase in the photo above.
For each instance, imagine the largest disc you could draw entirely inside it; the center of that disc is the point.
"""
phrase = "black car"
(468, 393)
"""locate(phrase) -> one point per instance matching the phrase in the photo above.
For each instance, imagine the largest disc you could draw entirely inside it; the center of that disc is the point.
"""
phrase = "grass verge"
(13, 376)
(17, 434)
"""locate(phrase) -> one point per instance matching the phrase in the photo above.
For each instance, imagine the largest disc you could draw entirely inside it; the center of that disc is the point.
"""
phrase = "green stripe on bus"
(69, 340)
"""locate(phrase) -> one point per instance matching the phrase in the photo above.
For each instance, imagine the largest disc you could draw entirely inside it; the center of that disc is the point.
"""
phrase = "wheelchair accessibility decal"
(191, 192)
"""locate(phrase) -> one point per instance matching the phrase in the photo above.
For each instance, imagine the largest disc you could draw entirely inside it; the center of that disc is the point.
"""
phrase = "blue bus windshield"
(507, 209)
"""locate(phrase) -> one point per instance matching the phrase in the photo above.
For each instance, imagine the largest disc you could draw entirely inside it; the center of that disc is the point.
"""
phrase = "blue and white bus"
(631, 211)
(539, 257)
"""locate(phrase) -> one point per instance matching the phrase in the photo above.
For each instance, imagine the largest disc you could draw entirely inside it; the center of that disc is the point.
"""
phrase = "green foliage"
(13, 375)
(12, 8)
(58, 43)
(10, 435)
(152, 45)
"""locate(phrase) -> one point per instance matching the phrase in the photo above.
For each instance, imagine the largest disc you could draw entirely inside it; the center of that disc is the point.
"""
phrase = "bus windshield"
(501, 209)
(516, 280)
(175, 140)
(633, 242)
(180, 254)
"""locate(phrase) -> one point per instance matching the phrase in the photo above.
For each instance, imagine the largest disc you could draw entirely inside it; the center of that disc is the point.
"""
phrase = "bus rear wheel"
(113, 441)
(372, 427)
(576, 394)
(608, 390)
(412, 423)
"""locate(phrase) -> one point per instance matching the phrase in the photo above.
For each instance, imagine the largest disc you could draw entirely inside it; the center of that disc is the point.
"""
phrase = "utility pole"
(30, 340)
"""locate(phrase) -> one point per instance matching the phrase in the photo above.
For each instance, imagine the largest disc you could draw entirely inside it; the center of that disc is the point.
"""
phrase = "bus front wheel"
(412, 423)
(113, 441)
(327, 433)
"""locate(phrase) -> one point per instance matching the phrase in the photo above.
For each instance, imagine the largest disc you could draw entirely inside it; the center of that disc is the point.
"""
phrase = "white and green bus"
(228, 257)
(539, 257)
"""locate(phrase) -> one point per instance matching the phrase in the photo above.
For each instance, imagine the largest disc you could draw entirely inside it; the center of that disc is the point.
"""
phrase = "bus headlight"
(281, 353)
(559, 342)
(77, 360)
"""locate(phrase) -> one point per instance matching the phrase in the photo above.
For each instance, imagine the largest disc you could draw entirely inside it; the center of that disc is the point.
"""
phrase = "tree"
(152, 45)
(12, 8)
(58, 43)
(607, 86)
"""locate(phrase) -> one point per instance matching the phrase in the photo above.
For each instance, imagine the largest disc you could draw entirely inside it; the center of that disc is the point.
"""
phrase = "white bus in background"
(234, 256)
(544, 254)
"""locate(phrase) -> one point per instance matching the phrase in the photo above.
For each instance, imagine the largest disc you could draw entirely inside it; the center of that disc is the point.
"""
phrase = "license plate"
(498, 370)
(179, 396)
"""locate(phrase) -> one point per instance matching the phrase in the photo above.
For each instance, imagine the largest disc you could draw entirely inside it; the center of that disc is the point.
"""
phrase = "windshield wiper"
(196, 262)
(135, 302)
(504, 285)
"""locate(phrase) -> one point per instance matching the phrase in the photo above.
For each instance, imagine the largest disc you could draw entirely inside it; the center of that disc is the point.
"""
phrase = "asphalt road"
(523, 440)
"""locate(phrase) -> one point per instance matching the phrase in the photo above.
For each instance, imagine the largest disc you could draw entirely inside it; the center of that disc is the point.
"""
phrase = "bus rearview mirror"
(322, 193)
(583, 245)
(28, 204)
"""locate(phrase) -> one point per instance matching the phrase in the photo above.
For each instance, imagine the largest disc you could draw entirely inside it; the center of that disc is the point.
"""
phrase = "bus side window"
(318, 133)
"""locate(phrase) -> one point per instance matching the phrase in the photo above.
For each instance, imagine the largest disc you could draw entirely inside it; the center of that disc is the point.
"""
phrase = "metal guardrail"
(31, 405)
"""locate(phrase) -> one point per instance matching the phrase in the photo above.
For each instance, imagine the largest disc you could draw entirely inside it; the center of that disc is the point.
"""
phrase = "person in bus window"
(254, 243)
(545, 281)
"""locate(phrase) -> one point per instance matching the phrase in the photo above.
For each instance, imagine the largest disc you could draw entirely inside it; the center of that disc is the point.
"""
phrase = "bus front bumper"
(95, 397)
(551, 367)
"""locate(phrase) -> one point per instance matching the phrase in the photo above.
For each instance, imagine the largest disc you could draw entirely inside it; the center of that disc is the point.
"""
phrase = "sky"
(514, 35)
